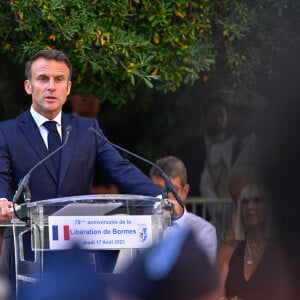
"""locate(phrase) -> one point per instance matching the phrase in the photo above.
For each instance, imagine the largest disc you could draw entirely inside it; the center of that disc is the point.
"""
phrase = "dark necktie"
(54, 142)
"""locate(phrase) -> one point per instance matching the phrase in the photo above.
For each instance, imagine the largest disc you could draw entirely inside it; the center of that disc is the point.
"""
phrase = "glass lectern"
(93, 222)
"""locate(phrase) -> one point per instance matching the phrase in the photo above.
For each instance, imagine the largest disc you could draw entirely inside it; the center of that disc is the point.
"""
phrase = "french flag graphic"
(55, 233)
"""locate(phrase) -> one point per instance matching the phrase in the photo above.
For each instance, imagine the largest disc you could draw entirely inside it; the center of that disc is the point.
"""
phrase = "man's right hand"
(5, 209)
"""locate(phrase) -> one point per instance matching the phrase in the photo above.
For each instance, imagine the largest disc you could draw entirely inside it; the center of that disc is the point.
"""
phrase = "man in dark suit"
(24, 142)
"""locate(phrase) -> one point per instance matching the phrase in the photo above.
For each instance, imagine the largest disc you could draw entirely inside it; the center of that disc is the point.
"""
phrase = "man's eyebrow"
(47, 76)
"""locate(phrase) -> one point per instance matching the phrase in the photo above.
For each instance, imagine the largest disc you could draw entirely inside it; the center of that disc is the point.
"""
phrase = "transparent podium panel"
(91, 222)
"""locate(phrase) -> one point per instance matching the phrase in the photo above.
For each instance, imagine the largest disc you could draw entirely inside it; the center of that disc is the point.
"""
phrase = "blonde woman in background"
(251, 265)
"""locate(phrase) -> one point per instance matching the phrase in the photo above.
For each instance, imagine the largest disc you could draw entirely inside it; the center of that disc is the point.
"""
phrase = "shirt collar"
(181, 219)
(40, 119)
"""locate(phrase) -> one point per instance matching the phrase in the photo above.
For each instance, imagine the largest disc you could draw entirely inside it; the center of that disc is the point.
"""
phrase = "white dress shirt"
(40, 120)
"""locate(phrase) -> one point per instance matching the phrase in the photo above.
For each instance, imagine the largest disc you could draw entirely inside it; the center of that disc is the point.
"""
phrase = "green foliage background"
(170, 56)
(118, 46)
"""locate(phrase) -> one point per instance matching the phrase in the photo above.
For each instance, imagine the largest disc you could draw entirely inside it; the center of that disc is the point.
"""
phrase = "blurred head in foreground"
(67, 274)
(177, 268)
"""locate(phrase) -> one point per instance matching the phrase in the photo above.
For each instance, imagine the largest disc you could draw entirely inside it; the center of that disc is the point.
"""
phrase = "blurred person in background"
(238, 178)
(196, 153)
(252, 265)
(241, 147)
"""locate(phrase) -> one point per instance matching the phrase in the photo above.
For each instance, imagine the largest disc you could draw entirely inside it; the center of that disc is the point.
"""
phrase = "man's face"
(216, 119)
(182, 191)
(49, 86)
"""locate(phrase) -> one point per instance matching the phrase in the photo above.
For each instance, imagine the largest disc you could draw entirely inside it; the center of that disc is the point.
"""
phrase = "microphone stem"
(169, 186)
(23, 185)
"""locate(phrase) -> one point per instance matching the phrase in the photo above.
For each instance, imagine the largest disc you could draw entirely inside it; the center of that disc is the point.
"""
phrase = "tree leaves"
(127, 40)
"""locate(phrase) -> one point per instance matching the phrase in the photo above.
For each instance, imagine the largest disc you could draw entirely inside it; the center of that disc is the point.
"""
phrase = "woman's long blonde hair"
(252, 190)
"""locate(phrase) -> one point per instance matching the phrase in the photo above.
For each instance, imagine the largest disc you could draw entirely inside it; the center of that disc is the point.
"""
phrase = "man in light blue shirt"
(204, 231)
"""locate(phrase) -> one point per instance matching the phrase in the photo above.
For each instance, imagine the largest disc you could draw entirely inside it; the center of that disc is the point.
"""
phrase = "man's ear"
(69, 87)
(28, 87)
(185, 191)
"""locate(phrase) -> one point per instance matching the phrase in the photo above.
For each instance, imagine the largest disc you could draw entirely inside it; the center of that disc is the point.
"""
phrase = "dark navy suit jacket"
(22, 146)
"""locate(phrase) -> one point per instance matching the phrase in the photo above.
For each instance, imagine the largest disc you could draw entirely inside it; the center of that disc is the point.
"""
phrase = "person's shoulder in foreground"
(177, 268)
(205, 232)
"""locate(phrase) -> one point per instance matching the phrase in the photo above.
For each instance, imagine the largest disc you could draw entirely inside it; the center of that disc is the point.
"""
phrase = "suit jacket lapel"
(35, 139)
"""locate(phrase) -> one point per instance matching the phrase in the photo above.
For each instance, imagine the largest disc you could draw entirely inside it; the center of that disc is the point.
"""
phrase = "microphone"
(23, 184)
(168, 185)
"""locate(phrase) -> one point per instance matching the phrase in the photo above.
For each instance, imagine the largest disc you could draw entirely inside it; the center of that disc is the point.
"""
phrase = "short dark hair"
(172, 166)
(49, 55)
